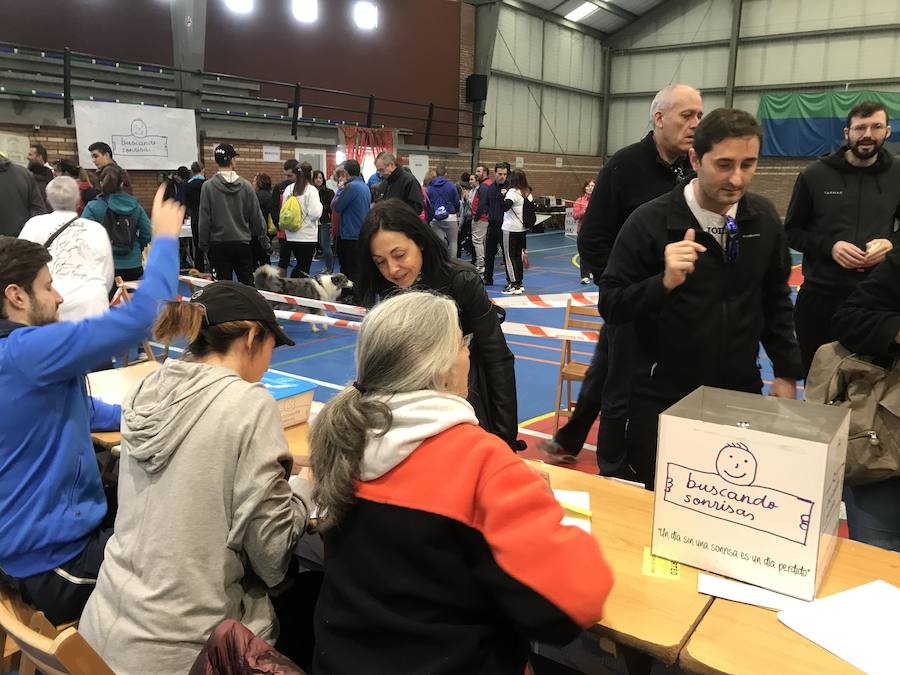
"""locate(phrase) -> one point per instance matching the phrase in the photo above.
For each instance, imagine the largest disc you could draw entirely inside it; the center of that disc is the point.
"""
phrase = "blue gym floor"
(327, 359)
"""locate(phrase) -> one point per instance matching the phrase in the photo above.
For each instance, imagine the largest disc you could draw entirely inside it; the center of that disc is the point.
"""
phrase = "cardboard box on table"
(750, 487)
(294, 397)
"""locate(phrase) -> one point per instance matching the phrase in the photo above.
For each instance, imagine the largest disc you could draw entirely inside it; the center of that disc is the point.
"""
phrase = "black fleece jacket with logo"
(708, 330)
(835, 201)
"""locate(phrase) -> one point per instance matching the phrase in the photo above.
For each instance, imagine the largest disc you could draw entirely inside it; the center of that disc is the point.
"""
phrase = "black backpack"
(529, 214)
(122, 230)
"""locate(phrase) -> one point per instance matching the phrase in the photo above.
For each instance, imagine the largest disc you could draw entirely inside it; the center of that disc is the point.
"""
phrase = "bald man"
(633, 176)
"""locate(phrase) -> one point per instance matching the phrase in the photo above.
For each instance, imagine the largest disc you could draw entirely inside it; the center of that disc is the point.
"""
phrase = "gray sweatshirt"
(206, 519)
(229, 211)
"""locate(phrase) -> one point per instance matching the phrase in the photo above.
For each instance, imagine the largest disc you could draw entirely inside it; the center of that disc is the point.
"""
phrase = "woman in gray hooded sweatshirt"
(207, 518)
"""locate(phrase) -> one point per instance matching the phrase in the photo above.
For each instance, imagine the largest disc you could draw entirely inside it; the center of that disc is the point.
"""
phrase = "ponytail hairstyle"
(396, 352)
(188, 320)
(302, 177)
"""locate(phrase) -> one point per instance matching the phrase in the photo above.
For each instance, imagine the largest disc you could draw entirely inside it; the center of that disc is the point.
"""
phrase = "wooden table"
(113, 385)
(655, 616)
(738, 638)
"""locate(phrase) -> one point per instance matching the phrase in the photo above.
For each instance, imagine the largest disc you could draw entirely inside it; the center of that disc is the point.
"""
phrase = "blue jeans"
(873, 513)
(325, 245)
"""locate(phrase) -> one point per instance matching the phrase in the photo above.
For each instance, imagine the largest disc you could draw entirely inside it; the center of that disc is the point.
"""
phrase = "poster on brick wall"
(15, 148)
(141, 137)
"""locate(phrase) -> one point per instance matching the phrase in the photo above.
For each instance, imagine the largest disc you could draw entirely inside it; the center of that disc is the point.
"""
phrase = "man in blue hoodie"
(445, 199)
(352, 200)
(52, 502)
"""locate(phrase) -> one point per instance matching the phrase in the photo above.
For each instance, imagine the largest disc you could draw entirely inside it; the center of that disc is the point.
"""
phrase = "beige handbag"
(838, 377)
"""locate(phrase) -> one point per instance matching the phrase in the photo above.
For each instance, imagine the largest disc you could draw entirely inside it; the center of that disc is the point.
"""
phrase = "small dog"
(323, 287)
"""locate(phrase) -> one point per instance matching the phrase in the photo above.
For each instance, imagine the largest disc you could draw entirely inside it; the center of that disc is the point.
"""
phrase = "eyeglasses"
(732, 243)
(863, 128)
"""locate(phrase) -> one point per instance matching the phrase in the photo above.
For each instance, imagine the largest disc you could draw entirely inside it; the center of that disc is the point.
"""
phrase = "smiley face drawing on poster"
(730, 492)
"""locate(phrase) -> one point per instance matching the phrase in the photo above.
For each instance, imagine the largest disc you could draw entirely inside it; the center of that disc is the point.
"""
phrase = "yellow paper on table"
(654, 566)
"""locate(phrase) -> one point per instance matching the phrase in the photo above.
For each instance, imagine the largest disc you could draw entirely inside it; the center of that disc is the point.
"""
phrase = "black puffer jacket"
(402, 185)
(869, 322)
(835, 201)
(706, 331)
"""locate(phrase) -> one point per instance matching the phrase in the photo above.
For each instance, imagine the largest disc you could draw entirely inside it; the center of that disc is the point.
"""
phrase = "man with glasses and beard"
(702, 272)
(841, 218)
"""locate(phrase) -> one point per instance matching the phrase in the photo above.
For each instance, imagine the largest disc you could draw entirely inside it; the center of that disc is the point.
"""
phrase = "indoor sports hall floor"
(327, 357)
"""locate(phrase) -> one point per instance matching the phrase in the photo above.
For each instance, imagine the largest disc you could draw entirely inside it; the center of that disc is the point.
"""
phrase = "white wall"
(838, 59)
(554, 55)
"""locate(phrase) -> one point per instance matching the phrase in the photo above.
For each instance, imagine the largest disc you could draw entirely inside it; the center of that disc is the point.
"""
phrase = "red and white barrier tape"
(530, 330)
(290, 299)
(546, 301)
(508, 328)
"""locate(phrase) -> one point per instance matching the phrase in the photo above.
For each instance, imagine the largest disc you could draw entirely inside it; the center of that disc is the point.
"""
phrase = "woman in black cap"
(207, 518)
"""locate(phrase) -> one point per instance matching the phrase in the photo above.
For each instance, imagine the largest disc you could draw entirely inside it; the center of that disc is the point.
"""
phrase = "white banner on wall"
(141, 137)
(15, 147)
(418, 164)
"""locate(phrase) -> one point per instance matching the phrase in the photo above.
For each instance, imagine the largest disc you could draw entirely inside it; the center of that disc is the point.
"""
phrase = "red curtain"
(360, 139)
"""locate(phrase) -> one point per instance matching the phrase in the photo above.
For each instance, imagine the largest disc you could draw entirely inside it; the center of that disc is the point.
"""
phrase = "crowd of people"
(429, 521)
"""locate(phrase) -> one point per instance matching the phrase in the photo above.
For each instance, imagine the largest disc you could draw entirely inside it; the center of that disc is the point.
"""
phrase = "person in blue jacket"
(352, 201)
(52, 502)
(445, 200)
(128, 262)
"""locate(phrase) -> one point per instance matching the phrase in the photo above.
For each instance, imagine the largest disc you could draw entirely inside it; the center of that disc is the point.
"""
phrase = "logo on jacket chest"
(832, 192)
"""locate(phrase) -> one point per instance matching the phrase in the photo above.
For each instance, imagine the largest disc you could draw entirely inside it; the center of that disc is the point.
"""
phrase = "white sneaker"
(509, 290)
(585, 280)
(517, 290)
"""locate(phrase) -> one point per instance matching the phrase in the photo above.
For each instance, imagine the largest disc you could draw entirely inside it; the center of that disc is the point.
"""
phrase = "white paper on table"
(581, 522)
(858, 625)
(579, 499)
(582, 500)
(746, 593)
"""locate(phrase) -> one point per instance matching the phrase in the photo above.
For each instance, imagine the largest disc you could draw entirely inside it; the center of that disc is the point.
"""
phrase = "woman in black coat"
(398, 251)
(263, 185)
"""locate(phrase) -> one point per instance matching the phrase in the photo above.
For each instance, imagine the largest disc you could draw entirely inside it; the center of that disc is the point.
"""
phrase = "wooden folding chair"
(571, 370)
(124, 289)
(42, 646)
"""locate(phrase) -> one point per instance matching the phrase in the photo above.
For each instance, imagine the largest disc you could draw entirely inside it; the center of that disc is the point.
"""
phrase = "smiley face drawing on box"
(736, 464)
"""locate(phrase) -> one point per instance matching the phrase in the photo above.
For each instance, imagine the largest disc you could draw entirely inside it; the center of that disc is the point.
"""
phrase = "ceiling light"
(583, 10)
(305, 11)
(240, 6)
(365, 14)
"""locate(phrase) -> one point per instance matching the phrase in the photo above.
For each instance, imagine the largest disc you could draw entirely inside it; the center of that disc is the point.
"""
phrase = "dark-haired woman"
(399, 251)
(326, 194)
(513, 229)
(263, 185)
(302, 242)
(207, 518)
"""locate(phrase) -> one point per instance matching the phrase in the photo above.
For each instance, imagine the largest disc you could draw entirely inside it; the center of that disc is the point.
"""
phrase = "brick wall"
(774, 179)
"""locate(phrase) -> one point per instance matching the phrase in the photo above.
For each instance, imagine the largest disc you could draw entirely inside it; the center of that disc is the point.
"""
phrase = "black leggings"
(302, 250)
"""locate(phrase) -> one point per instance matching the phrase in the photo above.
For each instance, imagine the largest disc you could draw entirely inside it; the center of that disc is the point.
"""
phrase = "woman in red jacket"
(578, 209)
(444, 552)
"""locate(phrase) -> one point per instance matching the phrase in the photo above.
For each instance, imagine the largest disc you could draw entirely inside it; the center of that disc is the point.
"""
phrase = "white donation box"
(749, 487)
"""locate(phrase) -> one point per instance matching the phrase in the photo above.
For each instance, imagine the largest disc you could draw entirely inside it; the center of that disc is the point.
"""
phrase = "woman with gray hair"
(82, 265)
(431, 525)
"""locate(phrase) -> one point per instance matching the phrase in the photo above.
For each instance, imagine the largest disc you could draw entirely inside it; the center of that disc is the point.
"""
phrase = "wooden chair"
(123, 293)
(571, 370)
(43, 647)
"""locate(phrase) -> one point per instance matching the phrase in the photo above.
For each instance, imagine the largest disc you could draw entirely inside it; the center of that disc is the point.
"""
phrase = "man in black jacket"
(841, 218)
(397, 181)
(634, 175)
(492, 206)
(702, 272)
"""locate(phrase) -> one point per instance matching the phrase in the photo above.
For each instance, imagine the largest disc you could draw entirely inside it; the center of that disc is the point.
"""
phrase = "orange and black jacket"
(451, 563)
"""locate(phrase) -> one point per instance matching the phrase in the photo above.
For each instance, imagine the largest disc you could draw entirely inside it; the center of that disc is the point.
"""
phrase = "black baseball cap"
(230, 301)
(224, 153)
